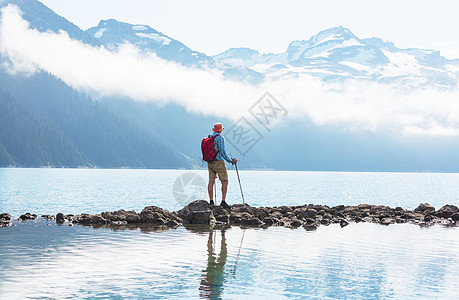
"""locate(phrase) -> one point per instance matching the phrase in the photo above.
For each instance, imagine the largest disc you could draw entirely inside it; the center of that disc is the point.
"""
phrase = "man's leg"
(210, 189)
(224, 189)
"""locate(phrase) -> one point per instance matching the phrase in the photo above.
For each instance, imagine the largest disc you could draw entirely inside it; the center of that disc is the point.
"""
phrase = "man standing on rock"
(217, 166)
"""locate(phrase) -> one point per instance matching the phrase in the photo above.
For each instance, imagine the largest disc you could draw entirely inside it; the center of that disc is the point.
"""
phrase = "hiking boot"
(224, 204)
(211, 202)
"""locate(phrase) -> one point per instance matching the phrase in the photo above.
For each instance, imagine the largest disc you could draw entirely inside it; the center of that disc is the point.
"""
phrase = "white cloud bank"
(127, 72)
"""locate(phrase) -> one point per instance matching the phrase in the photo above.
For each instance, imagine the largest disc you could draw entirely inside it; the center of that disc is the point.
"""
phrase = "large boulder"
(425, 208)
(60, 218)
(157, 216)
(284, 210)
(5, 217)
(337, 209)
(87, 219)
(201, 217)
(197, 212)
(261, 212)
(28, 216)
(122, 215)
(221, 214)
(199, 205)
(447, 211)
(304, 212)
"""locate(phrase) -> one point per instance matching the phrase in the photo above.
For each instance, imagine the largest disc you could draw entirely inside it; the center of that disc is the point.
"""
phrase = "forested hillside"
(28, 140)
(49, 123)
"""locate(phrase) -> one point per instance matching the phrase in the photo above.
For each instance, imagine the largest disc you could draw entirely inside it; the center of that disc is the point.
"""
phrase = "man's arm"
(221, 147)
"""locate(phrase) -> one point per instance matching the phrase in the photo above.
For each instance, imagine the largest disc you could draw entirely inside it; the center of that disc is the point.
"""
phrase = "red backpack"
(208, 148)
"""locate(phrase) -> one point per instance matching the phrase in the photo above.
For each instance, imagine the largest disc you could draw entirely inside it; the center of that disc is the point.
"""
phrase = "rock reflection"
(144, 228)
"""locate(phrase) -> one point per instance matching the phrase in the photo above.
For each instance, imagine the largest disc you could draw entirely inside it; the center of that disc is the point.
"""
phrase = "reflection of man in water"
(212, 283)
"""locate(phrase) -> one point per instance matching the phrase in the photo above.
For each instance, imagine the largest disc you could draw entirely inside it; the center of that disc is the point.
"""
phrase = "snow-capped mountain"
(43, 19)
(113, 33)
(332, 55)
(336, 54)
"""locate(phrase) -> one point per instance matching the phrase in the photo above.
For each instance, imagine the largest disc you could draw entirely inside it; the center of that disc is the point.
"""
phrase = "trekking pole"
(237, 172)
(237, 257)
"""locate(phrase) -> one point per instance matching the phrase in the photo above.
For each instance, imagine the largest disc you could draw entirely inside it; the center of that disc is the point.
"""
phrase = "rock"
(254, 221)
(49, 217)
(157, 216)
(310, 221)
(87, 219)
(385, 222)
(364, 206)
(243, 208)
(428, 218)
(5, 220)
(197, 212)
(284, 209)
(309, 216)
(171, 223)
(413, 216)
(276, 214)
(221, 215)
(296, 223)
(324, 222)
(5, 217)
(446, 211)
(199, 205)
(303, 213)
(201, 217)
(351, 211)
(28, 216)
(122, 215)
(337, 209)
(343, 223)
(261, 212)
(270, 221)
(425, 208)
(236, 218)
(309, 227)
(60, 218)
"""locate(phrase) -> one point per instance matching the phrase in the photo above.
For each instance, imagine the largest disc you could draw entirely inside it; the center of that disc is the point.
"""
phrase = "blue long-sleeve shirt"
(219, 144)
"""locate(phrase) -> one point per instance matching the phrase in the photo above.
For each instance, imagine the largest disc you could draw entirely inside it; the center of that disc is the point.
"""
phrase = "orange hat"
(218, 127)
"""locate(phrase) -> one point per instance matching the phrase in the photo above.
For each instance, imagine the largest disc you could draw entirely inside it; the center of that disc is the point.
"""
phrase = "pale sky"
(212, 26)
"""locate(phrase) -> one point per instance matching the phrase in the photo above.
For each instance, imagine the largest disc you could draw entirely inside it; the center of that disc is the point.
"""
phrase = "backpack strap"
(214, 140)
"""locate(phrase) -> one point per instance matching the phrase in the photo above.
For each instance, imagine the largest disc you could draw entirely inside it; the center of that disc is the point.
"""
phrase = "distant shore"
(309, 216)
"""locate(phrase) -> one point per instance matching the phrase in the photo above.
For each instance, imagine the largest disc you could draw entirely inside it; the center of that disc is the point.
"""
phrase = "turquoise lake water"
(39, 259)
(49, 191)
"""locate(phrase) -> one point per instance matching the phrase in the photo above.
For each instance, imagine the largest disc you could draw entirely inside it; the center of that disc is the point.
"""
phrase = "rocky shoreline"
(308, 216)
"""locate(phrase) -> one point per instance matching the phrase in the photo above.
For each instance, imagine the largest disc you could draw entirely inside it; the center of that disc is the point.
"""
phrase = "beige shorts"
(217, 167)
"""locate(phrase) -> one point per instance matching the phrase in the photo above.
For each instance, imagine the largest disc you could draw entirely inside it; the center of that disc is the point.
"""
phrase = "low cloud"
(144, 77)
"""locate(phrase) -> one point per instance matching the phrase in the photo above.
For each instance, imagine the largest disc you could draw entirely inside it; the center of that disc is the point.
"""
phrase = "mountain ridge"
(113, 137)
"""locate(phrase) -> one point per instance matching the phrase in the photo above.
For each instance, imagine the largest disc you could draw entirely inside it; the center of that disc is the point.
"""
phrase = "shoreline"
(309, 216)
(243, 169)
